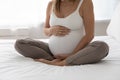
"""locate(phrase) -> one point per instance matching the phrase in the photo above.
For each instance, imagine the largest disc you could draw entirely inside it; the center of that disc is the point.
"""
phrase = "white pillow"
(114, 26)
(36, 32)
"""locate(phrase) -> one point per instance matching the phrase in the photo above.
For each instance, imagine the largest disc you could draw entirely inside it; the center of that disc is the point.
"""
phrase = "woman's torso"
(67, 43)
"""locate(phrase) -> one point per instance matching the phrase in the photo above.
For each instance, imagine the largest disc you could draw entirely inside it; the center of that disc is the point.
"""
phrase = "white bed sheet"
(16, 67)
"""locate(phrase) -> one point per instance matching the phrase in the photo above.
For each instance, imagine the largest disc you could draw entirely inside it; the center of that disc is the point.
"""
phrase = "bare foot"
(56, 62)
(43, 61)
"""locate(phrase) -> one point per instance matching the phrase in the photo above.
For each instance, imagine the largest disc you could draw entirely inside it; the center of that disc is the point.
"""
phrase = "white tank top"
(67, 43)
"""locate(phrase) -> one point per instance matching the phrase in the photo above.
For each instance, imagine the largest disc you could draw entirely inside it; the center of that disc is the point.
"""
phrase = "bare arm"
(56, 30)
(47, 26)
(88, 19)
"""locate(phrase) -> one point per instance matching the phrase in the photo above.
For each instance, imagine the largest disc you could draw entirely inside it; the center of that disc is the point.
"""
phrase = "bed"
(13, 66)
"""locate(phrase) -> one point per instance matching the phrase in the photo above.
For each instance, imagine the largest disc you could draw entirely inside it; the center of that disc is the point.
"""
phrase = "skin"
(67, 7)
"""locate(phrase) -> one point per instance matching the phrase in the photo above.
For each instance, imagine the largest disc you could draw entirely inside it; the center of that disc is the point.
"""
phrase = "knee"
(102, 45)
(103, 48)
(18, 44)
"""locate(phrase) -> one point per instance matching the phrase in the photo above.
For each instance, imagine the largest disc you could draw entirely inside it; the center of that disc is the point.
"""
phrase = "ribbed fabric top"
(66, 44)
(72, 21)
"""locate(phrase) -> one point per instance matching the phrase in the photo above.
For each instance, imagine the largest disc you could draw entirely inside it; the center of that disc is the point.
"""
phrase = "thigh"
(92, 53)
(34, 49)
(37, 43)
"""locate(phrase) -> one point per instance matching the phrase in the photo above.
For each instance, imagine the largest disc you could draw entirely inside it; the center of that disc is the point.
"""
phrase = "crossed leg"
(39, 51)
(33, 49)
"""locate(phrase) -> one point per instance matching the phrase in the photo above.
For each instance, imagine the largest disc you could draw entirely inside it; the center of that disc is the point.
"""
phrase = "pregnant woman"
(70, 26)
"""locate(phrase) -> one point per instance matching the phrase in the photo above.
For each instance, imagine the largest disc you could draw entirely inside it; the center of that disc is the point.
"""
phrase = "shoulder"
(49, 6)
(50, 3)
(87, 3)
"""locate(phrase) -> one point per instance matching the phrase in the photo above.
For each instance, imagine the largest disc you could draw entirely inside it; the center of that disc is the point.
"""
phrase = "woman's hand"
(59, 61)
(59, 30)
(62, 56)
(56, 62)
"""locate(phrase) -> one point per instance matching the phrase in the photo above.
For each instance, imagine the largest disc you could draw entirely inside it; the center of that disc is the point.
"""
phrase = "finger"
(65, 33)
(57, 57)
(55, 60)
(61, 32)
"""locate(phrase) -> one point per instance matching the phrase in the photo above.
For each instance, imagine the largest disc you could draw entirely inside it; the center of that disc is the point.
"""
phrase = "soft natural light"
(22, 13)
(104, 8)
(25, 13)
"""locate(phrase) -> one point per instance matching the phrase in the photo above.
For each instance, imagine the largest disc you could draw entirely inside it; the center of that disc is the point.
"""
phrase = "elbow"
(89, 38)
(44, 31)
(92, 37)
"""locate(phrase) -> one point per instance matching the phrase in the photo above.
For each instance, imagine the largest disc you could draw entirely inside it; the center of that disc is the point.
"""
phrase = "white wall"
(104, 8)
(24, 18)
(22, 13)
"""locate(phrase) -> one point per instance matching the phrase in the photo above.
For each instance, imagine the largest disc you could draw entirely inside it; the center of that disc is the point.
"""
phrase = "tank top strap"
(79, 5)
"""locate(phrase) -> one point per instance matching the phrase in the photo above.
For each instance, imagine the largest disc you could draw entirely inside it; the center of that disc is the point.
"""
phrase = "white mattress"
(16, 67)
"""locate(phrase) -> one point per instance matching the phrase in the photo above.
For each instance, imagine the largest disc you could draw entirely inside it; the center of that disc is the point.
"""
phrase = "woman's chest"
(66, 9)
(73, 21)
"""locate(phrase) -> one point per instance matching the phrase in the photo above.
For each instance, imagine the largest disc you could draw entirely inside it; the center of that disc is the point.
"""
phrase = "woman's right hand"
(59, 30)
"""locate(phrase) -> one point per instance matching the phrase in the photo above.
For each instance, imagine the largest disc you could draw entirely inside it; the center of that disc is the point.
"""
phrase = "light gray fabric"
(92, 53)
(33, 49)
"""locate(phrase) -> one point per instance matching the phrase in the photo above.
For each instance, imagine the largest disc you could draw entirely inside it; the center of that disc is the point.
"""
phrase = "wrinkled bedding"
(13, 66)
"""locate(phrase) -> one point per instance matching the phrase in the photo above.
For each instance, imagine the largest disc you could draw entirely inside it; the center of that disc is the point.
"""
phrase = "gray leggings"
(92, 53)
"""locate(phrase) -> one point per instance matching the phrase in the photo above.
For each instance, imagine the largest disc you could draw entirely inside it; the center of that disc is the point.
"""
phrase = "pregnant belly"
(66, 44)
